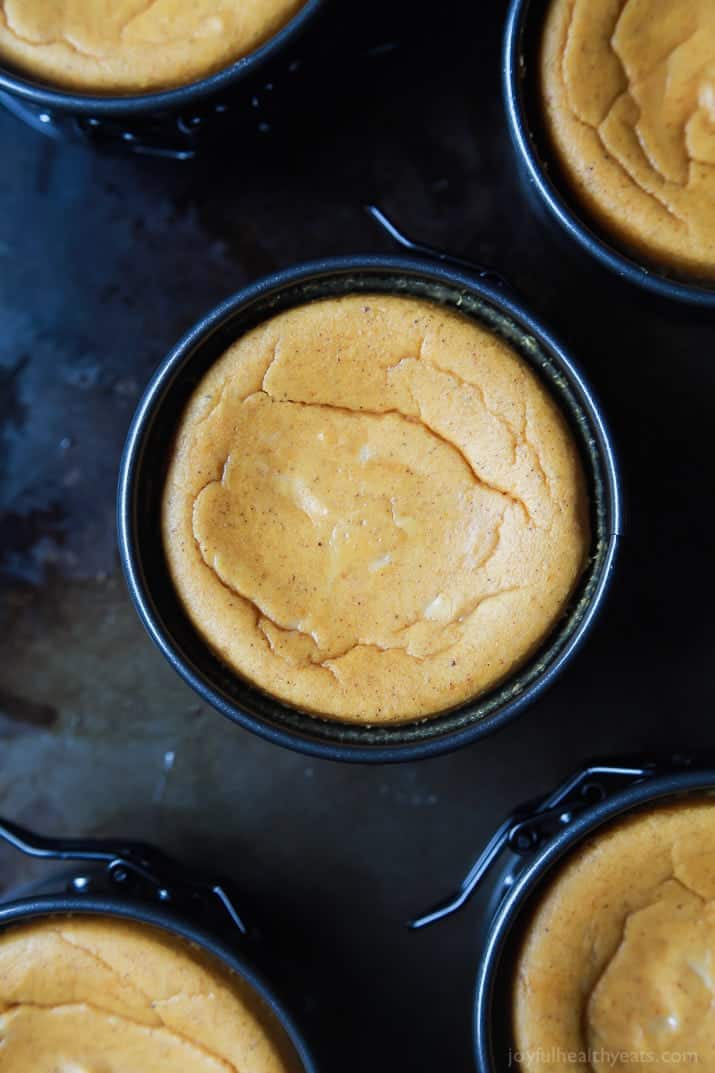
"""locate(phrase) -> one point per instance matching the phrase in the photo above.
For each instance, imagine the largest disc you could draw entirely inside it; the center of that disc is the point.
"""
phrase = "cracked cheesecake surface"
(618, 964)
(374, 510)
(79, 995)
(134, 45)
(628, 91)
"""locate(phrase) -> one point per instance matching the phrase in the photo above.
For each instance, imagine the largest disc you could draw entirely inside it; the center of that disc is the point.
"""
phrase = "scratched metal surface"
(104, 262)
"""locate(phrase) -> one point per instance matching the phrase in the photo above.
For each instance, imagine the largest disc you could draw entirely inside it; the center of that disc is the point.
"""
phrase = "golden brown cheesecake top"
(629, 96)
(618, 965)
(80, 995)
(374, 509)
(133, 46)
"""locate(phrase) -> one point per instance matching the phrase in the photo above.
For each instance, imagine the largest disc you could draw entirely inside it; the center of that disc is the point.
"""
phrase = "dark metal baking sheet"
(104, 262)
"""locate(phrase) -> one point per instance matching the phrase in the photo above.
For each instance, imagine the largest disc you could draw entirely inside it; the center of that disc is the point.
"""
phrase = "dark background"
(104, 263)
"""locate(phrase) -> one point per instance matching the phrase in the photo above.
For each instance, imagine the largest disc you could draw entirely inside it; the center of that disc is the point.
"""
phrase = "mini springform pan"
(525, 853)
(135, 882)
(521, 91)
(150, 441)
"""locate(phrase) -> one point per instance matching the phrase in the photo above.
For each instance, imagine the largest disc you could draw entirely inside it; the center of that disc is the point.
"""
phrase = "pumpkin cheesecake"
(374, 509)
(91, 993)
(628, 94)
(617, 968)
(131, 46)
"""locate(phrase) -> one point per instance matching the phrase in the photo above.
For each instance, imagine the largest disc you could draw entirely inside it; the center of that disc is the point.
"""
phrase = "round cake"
(374, 509)
(87, 993)
(628, 91)
(131, 46)
(617, 969)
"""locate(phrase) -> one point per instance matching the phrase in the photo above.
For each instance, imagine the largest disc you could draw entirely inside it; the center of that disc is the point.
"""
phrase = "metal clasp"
(483, 272)
(154, 873)
(528, 828)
